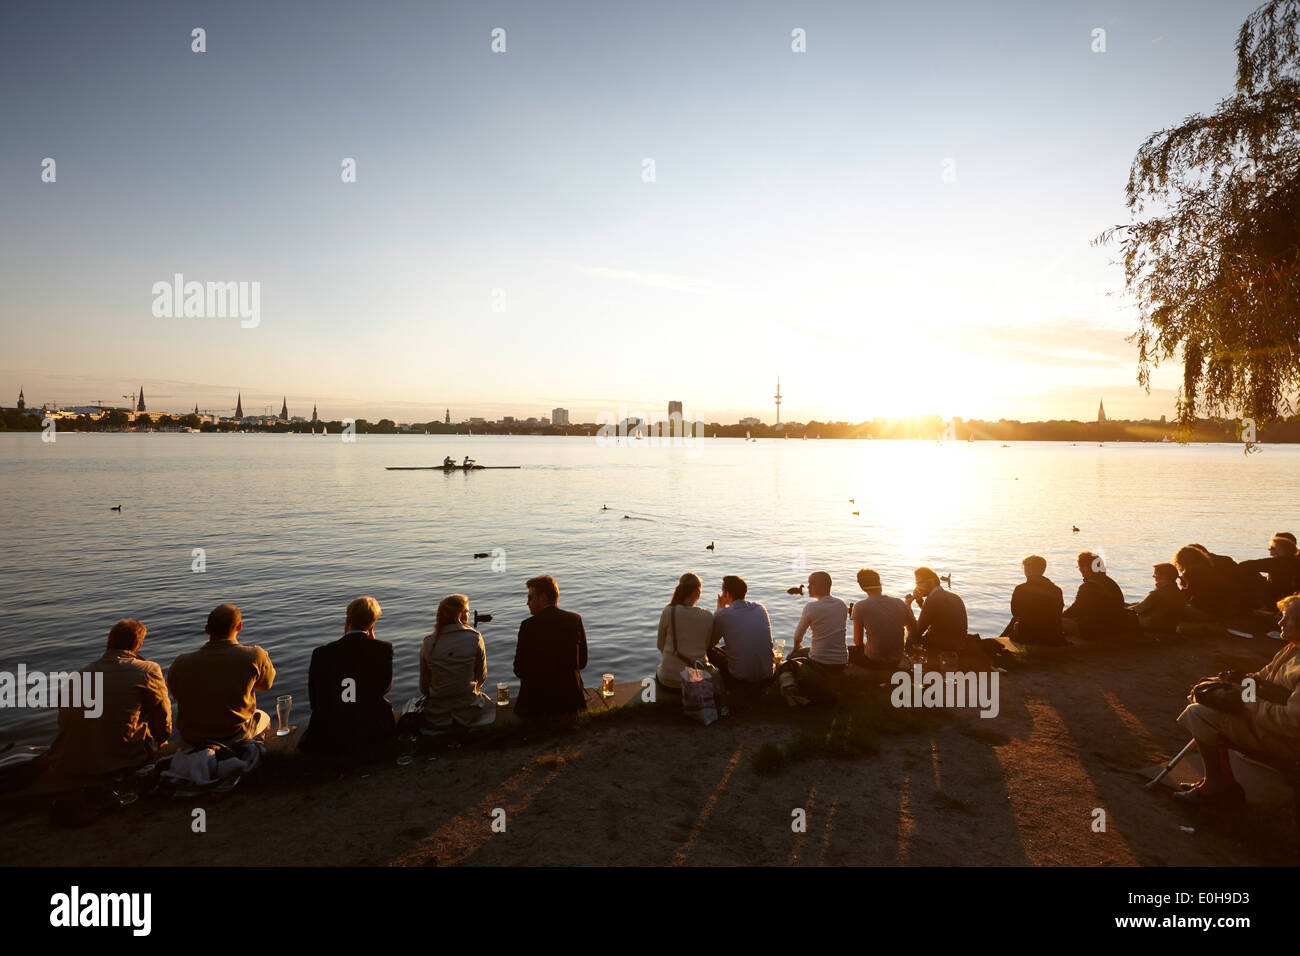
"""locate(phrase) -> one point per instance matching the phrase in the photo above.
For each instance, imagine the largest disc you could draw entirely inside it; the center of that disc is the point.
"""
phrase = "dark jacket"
(549, 656)
(1100, 610)
(1037, 605)
(365, 719)
(1283, 575)
(1162, 609)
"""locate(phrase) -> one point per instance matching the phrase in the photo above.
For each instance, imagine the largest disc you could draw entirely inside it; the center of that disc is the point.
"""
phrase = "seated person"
(1163, 609)
(216, 686)
(685, 633)
(827, 616)
(129, 721)
(1258, 727)
(1205, 586)
(941, 625)
(449, 462)
(883, 621)
(1036, 606)
(1281, 568)
(347, 682)
(453, 668)
(745, 654)
(1098, 611)
(549, 655)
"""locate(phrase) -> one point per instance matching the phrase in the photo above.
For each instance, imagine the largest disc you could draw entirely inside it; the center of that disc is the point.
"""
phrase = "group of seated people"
(215, 687)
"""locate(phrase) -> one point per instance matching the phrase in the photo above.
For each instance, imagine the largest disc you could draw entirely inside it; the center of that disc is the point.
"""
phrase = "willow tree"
(1212, 256)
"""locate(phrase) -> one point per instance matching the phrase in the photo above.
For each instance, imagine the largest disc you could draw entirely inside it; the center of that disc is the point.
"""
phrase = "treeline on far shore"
(928, 427)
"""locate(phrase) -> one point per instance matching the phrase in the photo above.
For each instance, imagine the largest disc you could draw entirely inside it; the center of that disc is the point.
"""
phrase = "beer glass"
(282, 705)
(503, 694)
(607, 685)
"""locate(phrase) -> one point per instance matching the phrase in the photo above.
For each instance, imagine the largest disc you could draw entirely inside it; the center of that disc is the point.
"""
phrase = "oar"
(1172, 764)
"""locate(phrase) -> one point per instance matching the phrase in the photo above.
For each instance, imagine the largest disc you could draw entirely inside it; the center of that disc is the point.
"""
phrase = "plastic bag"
(699, 695)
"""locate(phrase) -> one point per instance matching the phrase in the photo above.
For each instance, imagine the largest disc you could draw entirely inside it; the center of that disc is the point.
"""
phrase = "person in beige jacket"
(1257, 726)
(136, 718)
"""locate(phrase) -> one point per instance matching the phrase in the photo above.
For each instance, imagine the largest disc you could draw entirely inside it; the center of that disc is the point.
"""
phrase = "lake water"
(295, 526)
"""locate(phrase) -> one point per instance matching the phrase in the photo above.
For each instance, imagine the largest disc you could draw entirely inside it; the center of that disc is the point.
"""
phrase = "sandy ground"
(1078, 727)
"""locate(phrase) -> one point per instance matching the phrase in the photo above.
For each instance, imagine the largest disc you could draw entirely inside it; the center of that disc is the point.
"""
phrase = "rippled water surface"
(295, 526)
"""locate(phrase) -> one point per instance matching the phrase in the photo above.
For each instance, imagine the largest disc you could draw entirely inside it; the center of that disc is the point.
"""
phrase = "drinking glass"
(778, 652)
(607, 685)
(405, 750)
(282, 705)
(503, 694)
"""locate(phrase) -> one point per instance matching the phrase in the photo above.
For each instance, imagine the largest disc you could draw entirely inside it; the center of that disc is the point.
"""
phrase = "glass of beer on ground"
(607, 685)
(282, 705)
(778, 653)
(503, 694)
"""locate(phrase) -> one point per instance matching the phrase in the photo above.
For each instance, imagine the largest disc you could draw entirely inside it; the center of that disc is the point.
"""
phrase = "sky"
(631, 203)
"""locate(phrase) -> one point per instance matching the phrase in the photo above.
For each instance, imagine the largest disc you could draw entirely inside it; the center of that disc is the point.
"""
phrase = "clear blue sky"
(799, 223)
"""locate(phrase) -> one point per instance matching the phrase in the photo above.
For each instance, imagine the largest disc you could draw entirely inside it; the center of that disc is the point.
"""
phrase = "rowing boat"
(451, 467)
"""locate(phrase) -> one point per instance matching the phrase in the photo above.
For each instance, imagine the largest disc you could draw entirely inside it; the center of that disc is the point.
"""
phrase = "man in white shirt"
(827, 617)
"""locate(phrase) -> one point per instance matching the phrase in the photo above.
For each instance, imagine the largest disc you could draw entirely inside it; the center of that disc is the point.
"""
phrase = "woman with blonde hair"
(685, 632)
(453, 667)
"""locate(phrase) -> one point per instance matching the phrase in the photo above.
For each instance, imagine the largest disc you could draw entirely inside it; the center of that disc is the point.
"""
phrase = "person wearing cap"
(1281, 568)
(1036, 606)
(881, 624)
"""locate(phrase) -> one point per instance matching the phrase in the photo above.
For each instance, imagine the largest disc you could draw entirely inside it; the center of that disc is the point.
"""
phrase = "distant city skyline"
(626, 204)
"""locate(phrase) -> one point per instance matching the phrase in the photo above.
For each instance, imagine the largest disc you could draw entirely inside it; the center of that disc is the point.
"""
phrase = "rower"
(469, 462)
(449, 462)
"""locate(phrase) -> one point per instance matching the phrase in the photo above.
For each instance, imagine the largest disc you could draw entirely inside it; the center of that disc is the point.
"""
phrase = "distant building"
(239, 406)
(478, 421)
(140, 406)
(507, 419)
(1101, 411)
(22, 402)
(447, 419)
(284, 409)
(674, 408)
(750, 421)
(314, 417)
(559, 416)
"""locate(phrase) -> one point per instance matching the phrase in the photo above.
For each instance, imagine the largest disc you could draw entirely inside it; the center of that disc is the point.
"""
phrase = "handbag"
(699, 697)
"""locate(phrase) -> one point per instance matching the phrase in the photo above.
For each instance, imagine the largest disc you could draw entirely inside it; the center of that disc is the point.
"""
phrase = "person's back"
(745, 632)
(347, 681)
(129, 720)
(685, 633)
(549, 656)
(883, 620)
(1036, 606)
(942, 622)
(453, 667)
(216, 686)
(1099, 608)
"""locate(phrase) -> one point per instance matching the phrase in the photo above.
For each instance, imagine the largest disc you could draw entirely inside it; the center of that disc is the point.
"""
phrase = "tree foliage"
(1212, 257)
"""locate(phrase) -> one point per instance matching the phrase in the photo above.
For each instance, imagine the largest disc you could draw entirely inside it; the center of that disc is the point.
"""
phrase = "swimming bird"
(482, 554)
(115, 508)
(946, 578)
(798, 590)
(1075, 527)
(709, 547)
(604, 507)
(853, 501)
(857, 512)
(485, 618)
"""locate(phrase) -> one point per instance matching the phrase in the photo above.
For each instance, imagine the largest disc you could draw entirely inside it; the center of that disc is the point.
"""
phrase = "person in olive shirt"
(1036, 606)
(347, 682)
(1098, 611)
(216, 686)
(549, 655)
(135, 717)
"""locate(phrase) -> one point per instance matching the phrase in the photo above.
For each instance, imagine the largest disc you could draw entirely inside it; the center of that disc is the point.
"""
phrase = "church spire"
(314, 417)
(22, 401)
(284, 409)
(239, 406)
(140, 407)
(1101, 411)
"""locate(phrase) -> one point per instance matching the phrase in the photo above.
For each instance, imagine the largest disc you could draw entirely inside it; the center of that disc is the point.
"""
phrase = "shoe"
(1199, 796)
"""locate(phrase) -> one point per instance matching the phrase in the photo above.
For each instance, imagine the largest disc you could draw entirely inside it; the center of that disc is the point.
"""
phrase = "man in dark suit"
(550, 655)
(347, 683)
(1098, 611)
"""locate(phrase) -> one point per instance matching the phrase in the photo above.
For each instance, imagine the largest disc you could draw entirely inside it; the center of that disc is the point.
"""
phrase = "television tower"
(777, 396)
